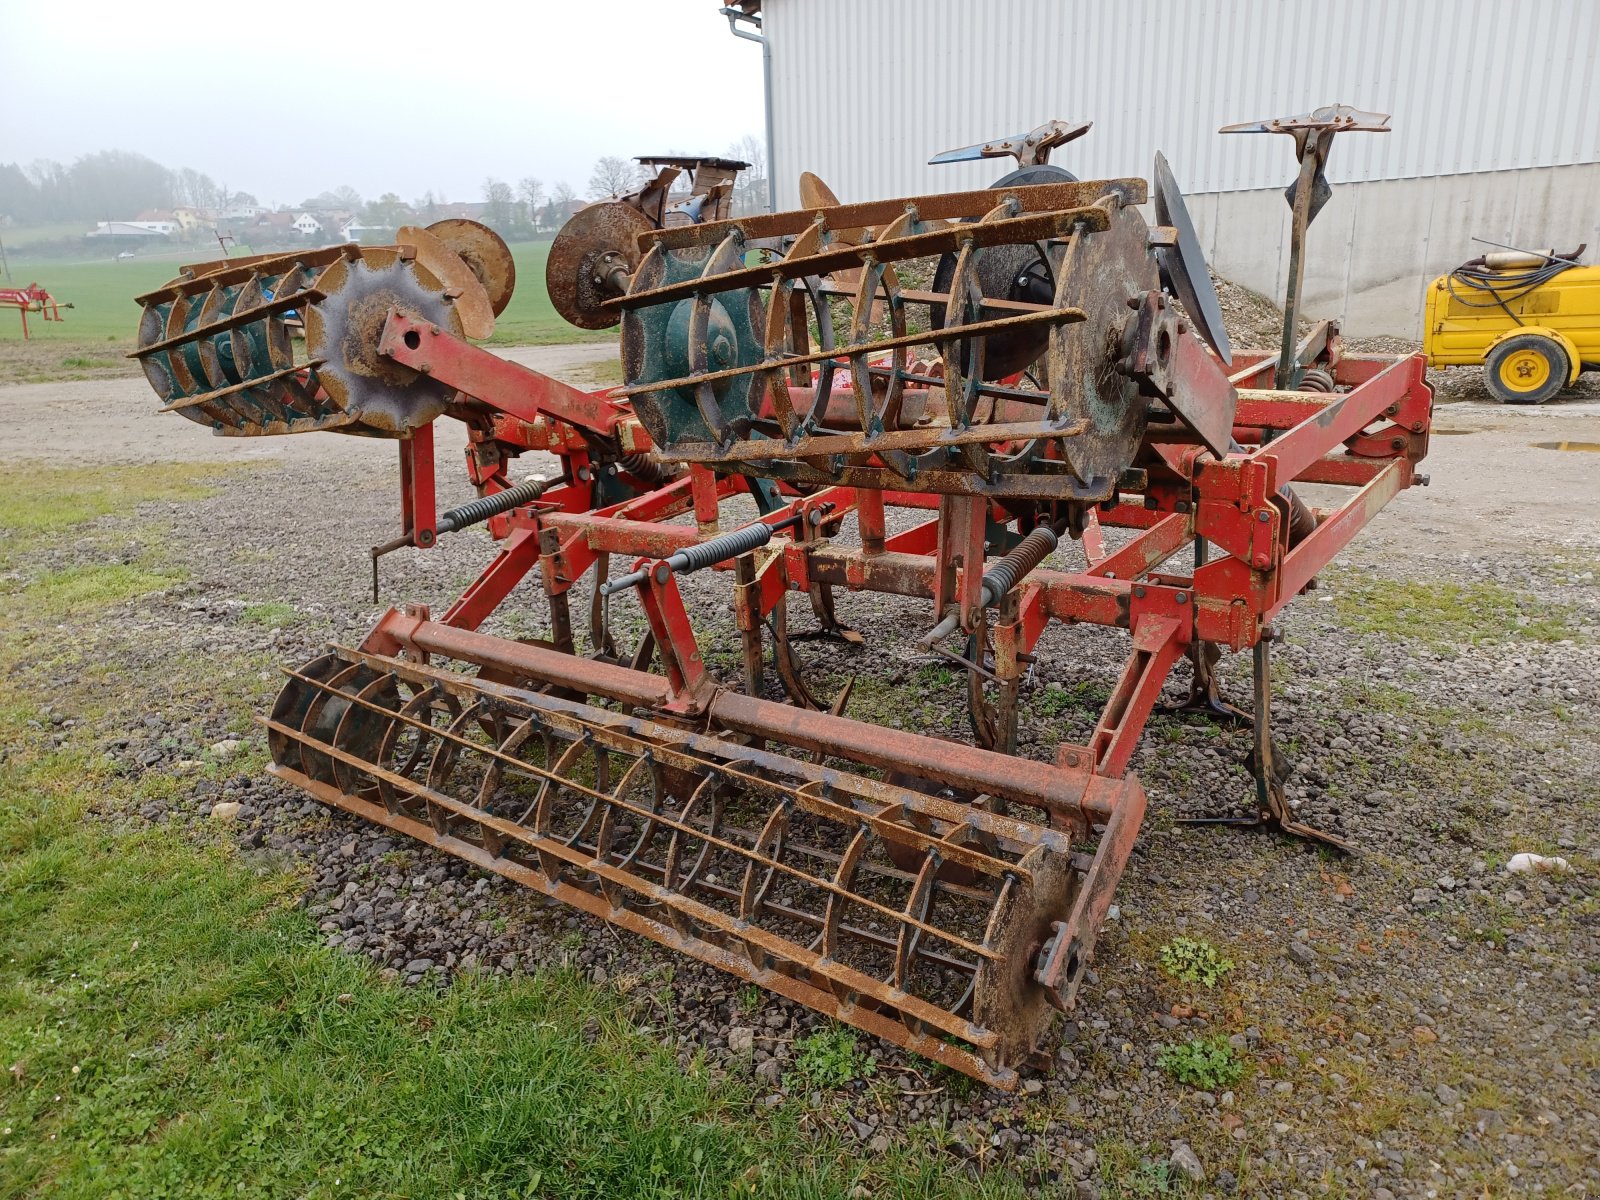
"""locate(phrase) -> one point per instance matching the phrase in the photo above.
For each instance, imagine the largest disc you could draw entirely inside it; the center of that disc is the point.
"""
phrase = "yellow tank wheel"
(1526, 369)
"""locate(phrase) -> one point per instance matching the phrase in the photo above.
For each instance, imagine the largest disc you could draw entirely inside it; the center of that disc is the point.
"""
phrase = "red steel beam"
(1060, 791)
(1336, 531)
(505, 385)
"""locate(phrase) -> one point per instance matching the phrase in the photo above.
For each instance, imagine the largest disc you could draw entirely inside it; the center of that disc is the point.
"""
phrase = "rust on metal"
(938, 444)
(485, 253)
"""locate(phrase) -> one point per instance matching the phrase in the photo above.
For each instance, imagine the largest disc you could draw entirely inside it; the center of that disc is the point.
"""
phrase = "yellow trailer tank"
(1530, 319)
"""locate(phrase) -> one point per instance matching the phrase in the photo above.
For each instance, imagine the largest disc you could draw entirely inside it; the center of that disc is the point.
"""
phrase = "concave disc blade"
(1183, 267)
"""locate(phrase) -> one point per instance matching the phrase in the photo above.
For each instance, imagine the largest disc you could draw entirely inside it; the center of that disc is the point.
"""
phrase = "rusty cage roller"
(215, 345)
(916, 918)
(711, 343)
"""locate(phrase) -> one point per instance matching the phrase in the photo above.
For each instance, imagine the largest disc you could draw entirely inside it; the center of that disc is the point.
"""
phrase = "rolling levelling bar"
(922, 920)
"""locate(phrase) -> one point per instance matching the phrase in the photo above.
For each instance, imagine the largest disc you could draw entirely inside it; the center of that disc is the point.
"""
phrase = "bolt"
(1138, 593)
(1397, 443)
(1183, 597)
(1072, 758)
(435, 331)
(1263, 561)
(1264, 516)
(1420, 480)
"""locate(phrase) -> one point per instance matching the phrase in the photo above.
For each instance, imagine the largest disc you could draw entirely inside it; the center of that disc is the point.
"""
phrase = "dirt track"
(1416, 1022)
(1492, 486)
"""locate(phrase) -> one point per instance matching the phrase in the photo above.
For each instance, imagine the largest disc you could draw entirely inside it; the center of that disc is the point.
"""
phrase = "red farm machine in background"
(799, 420)
(32, 298)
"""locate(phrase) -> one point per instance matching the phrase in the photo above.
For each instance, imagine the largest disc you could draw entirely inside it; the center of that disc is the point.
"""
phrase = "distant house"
(132, 232)
(353, 230)
(308, 225)
(275, 220)
(189, 217)
(241, 212)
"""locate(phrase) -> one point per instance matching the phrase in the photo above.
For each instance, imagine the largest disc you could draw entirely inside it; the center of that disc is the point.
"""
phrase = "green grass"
(530, 319)
(174, 1028)
(75, 591)
(36, 502)
(1445, 613)
(273, 613)
(102, 292)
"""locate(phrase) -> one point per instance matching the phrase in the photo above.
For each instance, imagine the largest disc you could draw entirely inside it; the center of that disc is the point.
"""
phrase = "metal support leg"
(1272, 805)
(1205, 693)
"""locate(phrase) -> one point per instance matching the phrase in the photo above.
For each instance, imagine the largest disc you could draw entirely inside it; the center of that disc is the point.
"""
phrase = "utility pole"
(735, 16)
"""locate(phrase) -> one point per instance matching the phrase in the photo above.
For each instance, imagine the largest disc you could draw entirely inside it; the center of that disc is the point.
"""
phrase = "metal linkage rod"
(1002, 577)
(473, 512)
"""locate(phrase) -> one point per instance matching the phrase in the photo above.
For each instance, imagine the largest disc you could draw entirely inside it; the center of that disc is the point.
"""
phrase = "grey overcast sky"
(286, 100)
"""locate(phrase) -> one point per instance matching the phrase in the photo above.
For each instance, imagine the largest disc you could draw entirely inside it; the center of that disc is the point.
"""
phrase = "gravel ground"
(1414, 1020)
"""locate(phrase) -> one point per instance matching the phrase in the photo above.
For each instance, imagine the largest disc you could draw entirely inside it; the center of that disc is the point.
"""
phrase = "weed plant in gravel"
(1194, 960)
(1208, 1063)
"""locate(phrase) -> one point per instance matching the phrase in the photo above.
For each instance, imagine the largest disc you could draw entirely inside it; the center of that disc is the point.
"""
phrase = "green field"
(102, 292)
(529, 320)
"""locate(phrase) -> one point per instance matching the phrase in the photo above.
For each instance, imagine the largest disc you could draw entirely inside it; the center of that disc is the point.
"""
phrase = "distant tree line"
(109, 185)
(527, 209)
(120, 184)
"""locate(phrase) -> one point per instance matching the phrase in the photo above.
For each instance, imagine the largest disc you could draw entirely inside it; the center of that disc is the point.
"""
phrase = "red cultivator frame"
(32, 298)
(944, 897)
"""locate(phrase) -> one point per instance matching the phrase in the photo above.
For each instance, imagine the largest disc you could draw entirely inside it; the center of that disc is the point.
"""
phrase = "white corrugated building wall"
(1495, 115)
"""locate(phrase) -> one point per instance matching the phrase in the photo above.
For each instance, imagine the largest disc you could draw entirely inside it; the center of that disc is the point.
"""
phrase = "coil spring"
(485, 507)
(642, 468)
(1029, 553)
(727, 545)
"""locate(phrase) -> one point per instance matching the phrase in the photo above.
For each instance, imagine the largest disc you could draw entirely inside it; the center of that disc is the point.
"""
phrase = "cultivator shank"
(1044, 435)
